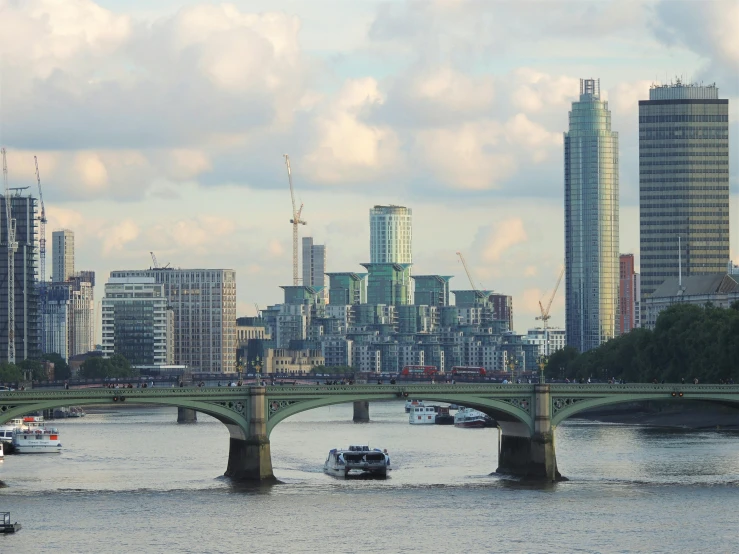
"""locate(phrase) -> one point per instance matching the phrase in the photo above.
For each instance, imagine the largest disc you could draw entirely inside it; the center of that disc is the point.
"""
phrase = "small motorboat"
(357, 461)
(469, 418)
(6, 526)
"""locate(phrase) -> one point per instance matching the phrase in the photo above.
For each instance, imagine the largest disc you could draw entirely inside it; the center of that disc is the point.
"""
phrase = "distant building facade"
(62, 255)
(314, 265)
(683, 183)
(391, 235)
(548, 341)
(629, 299)
(26, 305)
(204, 306)
(137, 322)
(591, 221)
(719, 289)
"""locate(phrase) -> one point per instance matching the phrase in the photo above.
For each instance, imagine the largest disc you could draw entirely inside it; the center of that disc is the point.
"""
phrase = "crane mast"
(12, 247)
(545, 311)
(295, 221)
(467, 271)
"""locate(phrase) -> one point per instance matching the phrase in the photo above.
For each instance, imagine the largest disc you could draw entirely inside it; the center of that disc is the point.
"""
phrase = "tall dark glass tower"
(591, 221)
(683, 183)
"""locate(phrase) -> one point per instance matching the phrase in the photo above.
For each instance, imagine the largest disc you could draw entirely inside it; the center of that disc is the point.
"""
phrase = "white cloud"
(117, 236)
(498, 238)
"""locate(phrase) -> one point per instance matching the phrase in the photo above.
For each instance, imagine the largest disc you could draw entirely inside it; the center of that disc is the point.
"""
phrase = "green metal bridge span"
(527, 414)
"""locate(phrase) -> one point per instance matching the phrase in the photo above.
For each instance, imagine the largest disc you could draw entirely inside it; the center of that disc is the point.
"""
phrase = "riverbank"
(696, 415)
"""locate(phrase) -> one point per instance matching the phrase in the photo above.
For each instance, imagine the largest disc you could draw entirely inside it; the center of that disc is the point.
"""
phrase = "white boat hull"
(356, 463)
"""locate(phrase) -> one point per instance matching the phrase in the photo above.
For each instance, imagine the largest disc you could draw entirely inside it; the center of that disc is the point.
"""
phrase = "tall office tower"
(204, 305)
(62, 254)
(683, 183)
(137, 321)
(314, 265)
(591, 221)
(628, 295)
(27, 332)
(391, 235)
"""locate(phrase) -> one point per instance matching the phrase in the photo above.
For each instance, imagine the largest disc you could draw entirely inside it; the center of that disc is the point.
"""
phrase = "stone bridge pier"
(527, 453)
(249, 457)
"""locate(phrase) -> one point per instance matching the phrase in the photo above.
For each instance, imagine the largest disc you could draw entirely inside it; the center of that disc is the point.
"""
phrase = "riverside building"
(204, 306)
(683, 183)
(591, 221)
(314, 265)
(391, 235)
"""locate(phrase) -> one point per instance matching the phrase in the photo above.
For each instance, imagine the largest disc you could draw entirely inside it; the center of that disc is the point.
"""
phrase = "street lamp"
(542, 364)
(512, 363)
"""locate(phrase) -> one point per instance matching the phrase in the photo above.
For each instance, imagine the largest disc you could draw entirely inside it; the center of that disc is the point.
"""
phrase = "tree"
(61, 367)
(560, 360)
(10, 373)
(34, 369)
(115, 367)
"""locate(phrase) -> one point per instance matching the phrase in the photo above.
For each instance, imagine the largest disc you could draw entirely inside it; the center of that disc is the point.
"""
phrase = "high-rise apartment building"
(391, 235)
(62, 254)
(314, 265)
(137, 321)
(431, 290)
(347, 288)
(591, 221)
(204, 306)
(628, 295)
(26, 304)
(683, 183)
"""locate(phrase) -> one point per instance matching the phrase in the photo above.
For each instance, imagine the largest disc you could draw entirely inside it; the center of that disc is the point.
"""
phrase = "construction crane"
(467, 271)
(154, 260)
(42, 227)
(256, 307)
(295, 221)
(545, 312)
(12, 246)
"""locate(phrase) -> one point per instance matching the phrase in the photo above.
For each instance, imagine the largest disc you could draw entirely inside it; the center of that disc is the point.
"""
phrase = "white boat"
(467, 417)
(422, 415)
(2, 451)
(6, 433)
(32, 437)
(357, 461)
(412, 403)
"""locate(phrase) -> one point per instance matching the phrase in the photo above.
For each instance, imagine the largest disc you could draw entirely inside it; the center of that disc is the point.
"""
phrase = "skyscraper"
(391, 235)
(591, 221)
(314, 265)
(204, 305)
(683, 183)
(62, 254)
(26, 304)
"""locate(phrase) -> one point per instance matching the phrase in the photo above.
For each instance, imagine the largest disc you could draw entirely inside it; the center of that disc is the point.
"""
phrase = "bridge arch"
(281, 402)
(565, 406)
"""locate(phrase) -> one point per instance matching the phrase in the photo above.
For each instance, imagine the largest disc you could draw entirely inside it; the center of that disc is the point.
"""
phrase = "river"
(133, 480)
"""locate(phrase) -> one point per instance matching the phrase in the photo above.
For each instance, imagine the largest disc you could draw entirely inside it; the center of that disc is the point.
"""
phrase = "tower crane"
(12, 246)
(295, 221)
(545, 312)
(42, 227)
(467, 271)
(154, 260)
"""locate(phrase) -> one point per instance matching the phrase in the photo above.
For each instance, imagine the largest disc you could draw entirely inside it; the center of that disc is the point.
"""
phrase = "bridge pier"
(249, 456)
(361, 412)
(526, 454)
(186, 415)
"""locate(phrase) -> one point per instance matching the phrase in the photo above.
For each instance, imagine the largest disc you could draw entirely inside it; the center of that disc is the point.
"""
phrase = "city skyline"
(471, 143)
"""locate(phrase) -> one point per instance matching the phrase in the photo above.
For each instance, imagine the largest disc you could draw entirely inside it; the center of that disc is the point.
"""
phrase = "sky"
(161, 126)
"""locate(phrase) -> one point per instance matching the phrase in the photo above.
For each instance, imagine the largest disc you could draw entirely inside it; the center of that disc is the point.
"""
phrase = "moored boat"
(422, 415)
(443, 417)
(357, 460)
(32, 437)
(412, 403)
(469, 418)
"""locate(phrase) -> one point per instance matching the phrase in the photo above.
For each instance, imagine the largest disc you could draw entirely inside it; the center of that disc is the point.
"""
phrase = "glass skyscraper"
(683, 183)
(391, 235)
(591, 221)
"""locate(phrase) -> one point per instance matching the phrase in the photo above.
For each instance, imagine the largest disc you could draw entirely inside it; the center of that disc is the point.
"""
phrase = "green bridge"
(527, 414)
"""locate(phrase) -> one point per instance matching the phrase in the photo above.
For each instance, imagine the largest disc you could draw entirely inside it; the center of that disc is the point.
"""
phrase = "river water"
(134, 480)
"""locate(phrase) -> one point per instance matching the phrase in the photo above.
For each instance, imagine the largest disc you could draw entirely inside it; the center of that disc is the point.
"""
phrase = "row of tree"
(93, 368)
(688, 342)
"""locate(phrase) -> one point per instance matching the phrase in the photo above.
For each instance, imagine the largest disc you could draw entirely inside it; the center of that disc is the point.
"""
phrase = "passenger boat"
(6, 526)
(32, 437)
(422, 415)
(467, 417)
(2, 452)
(411, 403)
(6, 433)
(357, 461)
(443, 417)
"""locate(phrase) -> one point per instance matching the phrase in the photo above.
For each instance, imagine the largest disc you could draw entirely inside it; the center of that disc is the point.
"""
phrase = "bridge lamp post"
(512, 364)
(542, 364)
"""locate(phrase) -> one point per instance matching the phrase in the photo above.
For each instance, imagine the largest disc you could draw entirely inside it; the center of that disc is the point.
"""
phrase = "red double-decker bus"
(419, 371)
(471, 371)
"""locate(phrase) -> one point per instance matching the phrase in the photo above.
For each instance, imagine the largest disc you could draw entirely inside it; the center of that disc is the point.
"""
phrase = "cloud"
(117, 236)
(495, 240)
